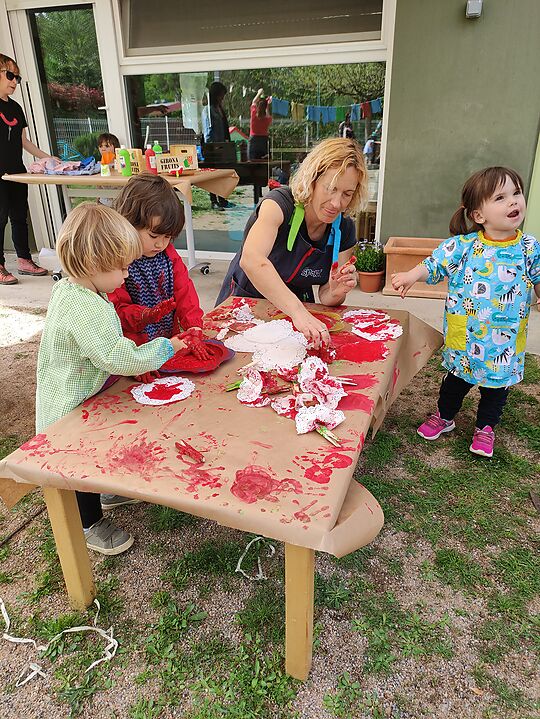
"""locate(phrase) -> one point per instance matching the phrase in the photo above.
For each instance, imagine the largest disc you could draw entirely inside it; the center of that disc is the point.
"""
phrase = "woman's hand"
(343, 279)
(315, 331)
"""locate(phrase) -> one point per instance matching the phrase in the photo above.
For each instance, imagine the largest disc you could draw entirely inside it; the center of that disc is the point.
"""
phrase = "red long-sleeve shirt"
(187, 314)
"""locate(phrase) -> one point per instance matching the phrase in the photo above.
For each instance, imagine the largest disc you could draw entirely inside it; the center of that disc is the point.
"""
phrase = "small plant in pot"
(370, 262)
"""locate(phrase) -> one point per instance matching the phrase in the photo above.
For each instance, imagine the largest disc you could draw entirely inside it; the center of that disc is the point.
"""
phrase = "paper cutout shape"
(373, 325)
(274, 345)
(163, 391)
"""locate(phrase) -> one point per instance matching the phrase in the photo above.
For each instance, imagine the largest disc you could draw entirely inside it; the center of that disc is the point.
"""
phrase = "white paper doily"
(165, 390)
(273, 344)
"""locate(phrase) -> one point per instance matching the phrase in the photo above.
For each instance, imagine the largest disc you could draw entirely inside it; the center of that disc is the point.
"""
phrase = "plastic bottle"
(125, 161)
(150, 157)
(156, 147)
(106, 160)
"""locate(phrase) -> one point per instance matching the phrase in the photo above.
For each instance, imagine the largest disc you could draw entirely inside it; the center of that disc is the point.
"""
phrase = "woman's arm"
(31, 148)
(264, 276)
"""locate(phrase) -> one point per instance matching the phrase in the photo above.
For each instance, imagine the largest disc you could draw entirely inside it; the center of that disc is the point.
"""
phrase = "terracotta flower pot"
(370, 281)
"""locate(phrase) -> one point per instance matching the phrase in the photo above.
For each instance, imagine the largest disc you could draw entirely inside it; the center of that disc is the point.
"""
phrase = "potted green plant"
(369, 264)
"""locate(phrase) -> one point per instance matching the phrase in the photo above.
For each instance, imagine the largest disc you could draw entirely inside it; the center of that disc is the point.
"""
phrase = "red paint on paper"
(163, 391)
(363, 381)
(254, 483)
(321, 471)
(142, 458)
(260, 444)
(363, 351)
(356, 401)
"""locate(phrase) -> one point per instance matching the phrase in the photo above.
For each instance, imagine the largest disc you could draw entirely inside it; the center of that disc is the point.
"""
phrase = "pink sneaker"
(6, 278)
(434, 426)
(483, 441)
(29, 267)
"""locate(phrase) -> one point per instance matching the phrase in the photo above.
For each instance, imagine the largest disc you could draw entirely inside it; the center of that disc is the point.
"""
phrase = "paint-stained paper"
(259, 475)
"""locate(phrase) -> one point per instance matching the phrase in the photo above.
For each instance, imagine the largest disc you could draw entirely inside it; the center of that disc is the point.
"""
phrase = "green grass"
(457, 570)
(9, 444)
(162, 518)
(531, 374)
(264, 613)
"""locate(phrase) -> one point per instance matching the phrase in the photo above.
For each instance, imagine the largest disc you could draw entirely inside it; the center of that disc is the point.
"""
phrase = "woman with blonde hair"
(300, 236)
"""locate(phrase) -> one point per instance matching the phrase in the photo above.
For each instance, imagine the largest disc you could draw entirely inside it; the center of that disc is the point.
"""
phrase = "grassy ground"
(438, 617)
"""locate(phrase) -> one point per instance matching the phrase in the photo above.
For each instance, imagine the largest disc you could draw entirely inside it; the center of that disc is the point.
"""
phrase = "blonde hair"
(95, 238)
(338, 153)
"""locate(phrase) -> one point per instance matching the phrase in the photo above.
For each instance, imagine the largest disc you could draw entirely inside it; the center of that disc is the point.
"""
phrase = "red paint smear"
(363, 381)
(363, 351)
(142, 458)
(254, 483)
(321, 472)
(356, 401)
(260, 444)
(417, 353)
(163, 391)
(185, 361)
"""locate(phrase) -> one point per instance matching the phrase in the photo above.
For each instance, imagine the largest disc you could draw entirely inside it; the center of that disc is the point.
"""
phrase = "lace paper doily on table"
(373, 325)
(163, 391)
(274, 344)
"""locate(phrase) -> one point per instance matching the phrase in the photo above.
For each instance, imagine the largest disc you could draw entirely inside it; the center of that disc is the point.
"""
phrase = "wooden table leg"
(299, 585)
(71, 546)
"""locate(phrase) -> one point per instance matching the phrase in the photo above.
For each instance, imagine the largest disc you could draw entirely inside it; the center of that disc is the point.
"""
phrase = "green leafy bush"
(87, 144)
(370, 259)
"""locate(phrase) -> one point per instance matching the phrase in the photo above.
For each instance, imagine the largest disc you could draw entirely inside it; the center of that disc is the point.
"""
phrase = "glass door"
(63, 96)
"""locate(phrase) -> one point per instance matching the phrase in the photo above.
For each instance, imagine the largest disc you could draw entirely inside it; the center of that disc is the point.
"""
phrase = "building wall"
(464, 95)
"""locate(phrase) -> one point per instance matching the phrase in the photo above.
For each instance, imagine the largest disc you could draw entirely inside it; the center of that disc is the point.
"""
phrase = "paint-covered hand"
(315, 331)
(147, 377)
(156, 313)
(342, 279)
(178, 344)
(403, 281)
(193, 337)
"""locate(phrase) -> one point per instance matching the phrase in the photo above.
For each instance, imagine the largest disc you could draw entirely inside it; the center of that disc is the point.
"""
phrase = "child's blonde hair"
(338, 153)
(95, 238)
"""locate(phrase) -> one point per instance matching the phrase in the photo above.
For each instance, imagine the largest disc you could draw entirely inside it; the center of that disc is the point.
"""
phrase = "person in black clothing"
(217, 130)
(345, 128)
(14, 195)
(298, 237)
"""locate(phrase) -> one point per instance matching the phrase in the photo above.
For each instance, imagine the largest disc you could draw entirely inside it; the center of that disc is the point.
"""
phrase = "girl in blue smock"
(492, 269)
(299, 237)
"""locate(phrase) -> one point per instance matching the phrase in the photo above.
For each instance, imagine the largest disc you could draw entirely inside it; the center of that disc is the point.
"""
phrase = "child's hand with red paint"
(154, 314)
(194, 339)
(403, 281)
(147, 377)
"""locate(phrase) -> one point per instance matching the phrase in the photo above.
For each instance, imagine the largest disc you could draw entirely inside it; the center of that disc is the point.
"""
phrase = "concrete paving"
(34, 292)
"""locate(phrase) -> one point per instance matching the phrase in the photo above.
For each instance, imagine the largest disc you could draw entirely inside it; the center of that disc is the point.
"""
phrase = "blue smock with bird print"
(487, 308)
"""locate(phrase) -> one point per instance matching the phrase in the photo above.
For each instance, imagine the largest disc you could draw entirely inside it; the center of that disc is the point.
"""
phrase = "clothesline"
(326, 113)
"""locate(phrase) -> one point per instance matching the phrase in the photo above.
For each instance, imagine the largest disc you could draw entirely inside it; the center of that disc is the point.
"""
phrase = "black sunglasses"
(11, 76)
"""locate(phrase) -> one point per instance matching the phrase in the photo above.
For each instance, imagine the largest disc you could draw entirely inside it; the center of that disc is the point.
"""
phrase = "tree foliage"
(69, 46)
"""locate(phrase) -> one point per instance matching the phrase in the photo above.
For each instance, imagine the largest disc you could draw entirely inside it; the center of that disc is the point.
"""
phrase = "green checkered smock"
(82, 345)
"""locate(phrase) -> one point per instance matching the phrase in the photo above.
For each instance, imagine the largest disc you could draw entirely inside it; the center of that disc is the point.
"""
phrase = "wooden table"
(221, 181)
(254, 172)
(259, 475)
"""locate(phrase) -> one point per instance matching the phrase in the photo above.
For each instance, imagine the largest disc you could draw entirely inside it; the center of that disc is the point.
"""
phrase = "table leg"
(299, 584)
(70, 545)
(190, 239)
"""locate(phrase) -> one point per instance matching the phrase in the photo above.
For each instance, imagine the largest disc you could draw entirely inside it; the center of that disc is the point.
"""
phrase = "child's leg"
(89, 508)
(491, 405)
(451, 395)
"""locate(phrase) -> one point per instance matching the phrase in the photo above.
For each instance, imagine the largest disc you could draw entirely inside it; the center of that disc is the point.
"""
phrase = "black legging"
(454, 390)
(14, 205)
(89, 508)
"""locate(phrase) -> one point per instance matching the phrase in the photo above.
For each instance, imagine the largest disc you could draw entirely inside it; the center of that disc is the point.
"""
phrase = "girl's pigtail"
(458, 223)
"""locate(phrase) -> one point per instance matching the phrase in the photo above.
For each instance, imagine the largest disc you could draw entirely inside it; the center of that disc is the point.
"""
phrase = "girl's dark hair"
(261, 105)
(106, 138)
(479, 188)
(216, 92)
(148, 202)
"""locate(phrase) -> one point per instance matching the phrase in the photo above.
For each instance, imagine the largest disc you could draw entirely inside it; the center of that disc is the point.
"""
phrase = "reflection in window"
(72, 88)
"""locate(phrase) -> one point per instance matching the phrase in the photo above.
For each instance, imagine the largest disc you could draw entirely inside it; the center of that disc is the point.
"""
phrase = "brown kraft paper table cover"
(258, 476)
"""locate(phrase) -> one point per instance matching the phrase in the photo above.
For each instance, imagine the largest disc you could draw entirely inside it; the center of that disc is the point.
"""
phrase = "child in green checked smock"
(492, 269)
(83, 348)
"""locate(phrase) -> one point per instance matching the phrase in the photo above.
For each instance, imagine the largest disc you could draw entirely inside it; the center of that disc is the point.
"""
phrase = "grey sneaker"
(106, 538)
(110, 501)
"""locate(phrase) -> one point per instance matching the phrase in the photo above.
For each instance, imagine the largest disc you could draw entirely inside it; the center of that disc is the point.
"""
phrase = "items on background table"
(163, 391)
(185, 361)
(107, 159)
(54, 166)
(150, 159)
(156, 147)
(124, 160)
